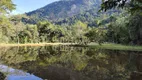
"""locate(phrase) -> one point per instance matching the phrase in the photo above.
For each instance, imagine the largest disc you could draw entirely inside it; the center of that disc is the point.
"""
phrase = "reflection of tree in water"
(109, 65)
(137, 75)
(72, 63)
(2, 76)
(17, 55)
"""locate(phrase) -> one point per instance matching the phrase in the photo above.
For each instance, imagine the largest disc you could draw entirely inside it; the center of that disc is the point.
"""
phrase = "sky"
(23, 6)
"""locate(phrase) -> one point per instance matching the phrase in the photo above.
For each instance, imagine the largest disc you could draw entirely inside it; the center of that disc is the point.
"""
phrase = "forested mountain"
(62, 9)
(91, 17)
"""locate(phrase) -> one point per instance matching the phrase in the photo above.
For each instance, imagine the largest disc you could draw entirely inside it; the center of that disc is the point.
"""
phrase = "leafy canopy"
(133, 5)
(6, 6)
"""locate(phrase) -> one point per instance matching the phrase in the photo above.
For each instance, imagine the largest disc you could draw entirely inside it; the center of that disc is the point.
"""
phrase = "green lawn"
(116, 46)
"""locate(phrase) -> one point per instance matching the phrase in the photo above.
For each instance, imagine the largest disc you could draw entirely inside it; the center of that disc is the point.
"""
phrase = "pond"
(69, 63)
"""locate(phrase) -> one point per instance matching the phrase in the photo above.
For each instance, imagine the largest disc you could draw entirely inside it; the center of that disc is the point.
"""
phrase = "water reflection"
(74, 63)
(15, 74)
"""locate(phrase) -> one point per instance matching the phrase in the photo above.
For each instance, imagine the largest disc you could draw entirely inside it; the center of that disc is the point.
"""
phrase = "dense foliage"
(6, 6)
(114, 26)
(133, 5)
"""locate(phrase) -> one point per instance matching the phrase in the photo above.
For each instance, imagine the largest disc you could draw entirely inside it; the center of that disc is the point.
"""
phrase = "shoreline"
(108, 46)
(33, 44)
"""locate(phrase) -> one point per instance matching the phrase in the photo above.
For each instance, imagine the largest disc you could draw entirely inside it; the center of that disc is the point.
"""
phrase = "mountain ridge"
(63, 9)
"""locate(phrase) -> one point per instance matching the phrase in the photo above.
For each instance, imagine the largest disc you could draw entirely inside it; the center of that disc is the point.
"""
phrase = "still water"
(69, 63)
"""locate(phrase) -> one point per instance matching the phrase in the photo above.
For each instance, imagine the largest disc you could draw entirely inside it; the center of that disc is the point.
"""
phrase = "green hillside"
(62, 9)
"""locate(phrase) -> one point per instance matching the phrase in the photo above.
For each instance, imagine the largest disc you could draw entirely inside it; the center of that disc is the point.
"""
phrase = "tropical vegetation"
(82, 27)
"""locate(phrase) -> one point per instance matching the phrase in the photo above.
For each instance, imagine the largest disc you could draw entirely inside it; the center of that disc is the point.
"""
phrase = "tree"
(118, 31)
(80, 29)
(96, 35)
(5, 26)
(133, 5)
(134, 21)
(135, 28)
(48, 31)
(6, 6)
(25, 36)
(43, 30)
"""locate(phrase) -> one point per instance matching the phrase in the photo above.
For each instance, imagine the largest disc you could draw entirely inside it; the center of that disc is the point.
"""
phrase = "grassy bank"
(116, 47)
(32, 44)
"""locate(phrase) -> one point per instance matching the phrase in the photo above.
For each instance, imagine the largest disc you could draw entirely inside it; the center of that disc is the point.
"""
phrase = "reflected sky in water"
(15, 74)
